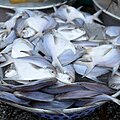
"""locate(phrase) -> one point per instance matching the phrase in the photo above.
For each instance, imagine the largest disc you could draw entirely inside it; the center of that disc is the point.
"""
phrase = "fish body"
(20, 45)
(34, 68)
(95, 72)
(70, 32)
(68, 13)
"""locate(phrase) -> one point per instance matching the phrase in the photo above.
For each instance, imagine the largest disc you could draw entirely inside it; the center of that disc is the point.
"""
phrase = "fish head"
(10, 73)
(28, 32)
(65, 78)
(49, 72)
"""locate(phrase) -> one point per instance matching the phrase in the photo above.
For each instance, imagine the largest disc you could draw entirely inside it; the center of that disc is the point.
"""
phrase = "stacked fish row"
(41, 54)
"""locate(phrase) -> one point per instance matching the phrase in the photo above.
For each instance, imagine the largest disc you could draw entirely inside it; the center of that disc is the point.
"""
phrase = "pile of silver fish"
(44, 59)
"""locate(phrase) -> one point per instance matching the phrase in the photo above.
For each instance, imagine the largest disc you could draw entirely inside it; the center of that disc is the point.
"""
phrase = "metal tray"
(32, 5)
(108, 17)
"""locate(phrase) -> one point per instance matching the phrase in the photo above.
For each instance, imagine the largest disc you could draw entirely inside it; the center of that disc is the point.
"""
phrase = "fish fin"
(114, 40)
(115, 69)
(85, 59)
(9, 14)
(117, 73)
(60, 112)
(7, 49)
(116, 94)
(92, 37)
(95, 16)
(118, 40)
(27, 52)
(117, 101)
(35, 66)
(54, 8)
(32, 53)
(8, 61)
(12, 78)
(58, 65)
(70, 22)
(79, 8)
(96, 79)
(107, 51)
(89, 66)
(38, 35)
(87, 50)
(104, 98)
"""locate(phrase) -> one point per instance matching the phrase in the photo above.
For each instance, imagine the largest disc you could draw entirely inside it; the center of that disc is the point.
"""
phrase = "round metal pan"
(32, 5)
(7, 7)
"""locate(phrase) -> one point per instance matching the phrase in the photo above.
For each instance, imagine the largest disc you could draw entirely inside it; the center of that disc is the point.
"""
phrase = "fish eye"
(7, 71)
(69, 78)
(52, 71)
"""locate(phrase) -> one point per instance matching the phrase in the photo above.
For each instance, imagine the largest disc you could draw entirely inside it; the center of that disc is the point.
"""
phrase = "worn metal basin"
(107, 16)
(6, 6)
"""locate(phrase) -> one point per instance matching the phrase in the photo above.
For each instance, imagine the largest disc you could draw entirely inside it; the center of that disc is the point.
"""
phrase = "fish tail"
(8, 61)
(117, 101)
(92, 38)
(96, 80)
(54, 8)
(60, 112)
(79, 8)
(58, 65)
(115, 69)
(95, 16)
(89, 66)
(11, 78)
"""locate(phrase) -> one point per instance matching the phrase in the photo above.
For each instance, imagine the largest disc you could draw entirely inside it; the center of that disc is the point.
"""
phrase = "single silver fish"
(33, 85)
(30, 68)
(35, 96)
